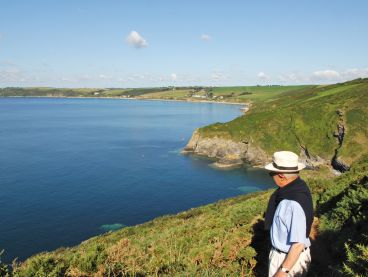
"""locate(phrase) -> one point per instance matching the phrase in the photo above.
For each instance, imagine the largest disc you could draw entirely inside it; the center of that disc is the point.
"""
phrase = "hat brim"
(270, 167)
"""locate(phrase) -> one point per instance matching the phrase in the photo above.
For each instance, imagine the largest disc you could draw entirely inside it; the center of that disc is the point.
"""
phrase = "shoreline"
(120, 98)
(130, 98)
(244, 108)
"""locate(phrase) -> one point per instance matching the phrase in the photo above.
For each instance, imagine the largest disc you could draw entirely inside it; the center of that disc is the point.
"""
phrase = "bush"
(4, 269)
(357, 259)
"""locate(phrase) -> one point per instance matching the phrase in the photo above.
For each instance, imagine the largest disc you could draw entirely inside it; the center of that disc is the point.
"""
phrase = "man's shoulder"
(303, 182)
(291, 205)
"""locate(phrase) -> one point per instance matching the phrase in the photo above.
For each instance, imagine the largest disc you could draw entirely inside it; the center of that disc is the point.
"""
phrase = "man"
(289, 217)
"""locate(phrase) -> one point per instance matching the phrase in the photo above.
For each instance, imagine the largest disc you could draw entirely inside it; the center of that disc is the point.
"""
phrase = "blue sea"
(71, 169)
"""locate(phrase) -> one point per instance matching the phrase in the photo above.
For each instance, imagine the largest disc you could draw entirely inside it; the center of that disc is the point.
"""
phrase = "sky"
(150, 43)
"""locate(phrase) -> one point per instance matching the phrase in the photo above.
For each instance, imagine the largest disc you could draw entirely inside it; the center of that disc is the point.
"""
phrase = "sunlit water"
(74, 168)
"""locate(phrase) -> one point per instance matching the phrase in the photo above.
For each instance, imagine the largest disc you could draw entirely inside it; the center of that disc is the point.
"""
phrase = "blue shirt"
(288, 226)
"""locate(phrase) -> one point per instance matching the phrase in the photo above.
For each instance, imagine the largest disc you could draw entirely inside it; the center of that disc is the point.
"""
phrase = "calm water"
(72, 168)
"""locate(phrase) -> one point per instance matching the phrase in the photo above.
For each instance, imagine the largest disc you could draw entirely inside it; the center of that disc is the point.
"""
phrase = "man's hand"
(281, 274)
(293, 255)
(291, 258)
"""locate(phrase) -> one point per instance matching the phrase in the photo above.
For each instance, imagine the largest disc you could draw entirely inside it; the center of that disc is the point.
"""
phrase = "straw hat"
(285, 161)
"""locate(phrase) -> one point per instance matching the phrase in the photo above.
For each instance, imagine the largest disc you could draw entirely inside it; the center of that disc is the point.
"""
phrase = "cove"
(71, 169)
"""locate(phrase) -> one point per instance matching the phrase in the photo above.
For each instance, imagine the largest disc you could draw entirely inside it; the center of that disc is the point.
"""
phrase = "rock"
(312, 162)
(192, 144)
(340, 113)
(226, 165)
(336, 172)
(339, 164)
(228, 153)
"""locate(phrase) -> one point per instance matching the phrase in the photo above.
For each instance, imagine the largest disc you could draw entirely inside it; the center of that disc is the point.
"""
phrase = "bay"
(71, 169)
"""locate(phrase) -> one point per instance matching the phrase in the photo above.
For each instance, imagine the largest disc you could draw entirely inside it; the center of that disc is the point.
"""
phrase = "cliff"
(325, 125)
(227, 152)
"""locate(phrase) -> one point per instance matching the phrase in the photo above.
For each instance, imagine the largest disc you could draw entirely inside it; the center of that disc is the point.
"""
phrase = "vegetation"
(254, 93)
(342, 207)
(4, 269)
(226, 238)
(306, 119)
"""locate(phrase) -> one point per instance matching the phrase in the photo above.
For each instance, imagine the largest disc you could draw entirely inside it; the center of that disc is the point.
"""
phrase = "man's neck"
(288, 181)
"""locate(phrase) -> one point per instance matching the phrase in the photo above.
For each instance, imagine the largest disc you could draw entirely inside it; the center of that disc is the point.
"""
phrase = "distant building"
(198, 96)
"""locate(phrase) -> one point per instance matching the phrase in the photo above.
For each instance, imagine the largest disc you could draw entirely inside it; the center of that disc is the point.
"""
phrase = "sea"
(71, 168)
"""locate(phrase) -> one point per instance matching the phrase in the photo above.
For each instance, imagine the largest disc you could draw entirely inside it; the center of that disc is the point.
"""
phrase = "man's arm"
(296, 238)
(291, 258)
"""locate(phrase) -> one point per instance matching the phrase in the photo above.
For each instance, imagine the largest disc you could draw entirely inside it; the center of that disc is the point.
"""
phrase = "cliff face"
(325, 125)
(339, 134)
(227, 152)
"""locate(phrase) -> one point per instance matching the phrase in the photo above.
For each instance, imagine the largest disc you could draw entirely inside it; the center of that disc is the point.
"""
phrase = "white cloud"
(173, 76)
(12, 75)
(136, 40)
(327, 74)
(354, 73)
(324, 76)
(205, 37)
(293, 77)
(218, 76)
(263, 76)
(85, 77)
(137, 76)
(105, 77)
(7, 63)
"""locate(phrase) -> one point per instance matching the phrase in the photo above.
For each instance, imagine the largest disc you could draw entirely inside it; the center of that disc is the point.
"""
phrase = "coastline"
(117, 103)
(130, 98)
(234, 161)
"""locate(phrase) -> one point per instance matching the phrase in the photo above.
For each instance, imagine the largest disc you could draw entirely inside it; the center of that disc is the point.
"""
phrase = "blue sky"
(140, 43)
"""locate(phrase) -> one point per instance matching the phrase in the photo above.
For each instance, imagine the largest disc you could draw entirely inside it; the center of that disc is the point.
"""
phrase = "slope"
(319, 121)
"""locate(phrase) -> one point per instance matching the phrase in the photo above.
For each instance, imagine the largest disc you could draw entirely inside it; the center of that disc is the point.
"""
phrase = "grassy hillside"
(341, 248)
(254, 93)
(206, 241)
(306, 119)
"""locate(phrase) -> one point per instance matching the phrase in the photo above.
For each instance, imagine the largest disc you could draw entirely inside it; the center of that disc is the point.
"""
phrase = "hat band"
(284, 167)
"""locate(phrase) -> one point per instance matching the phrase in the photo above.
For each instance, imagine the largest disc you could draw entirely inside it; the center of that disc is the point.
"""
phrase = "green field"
(254, 93)
(177, 94)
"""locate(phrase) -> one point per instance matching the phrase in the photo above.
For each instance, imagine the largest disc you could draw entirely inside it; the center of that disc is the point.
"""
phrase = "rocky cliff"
(228, 153)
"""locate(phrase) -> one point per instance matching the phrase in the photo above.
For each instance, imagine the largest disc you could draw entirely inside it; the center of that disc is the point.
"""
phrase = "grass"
(325, 92)
(342, 209)
(305, 118)
(169, 94)
(205, 241)
(255, 93)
